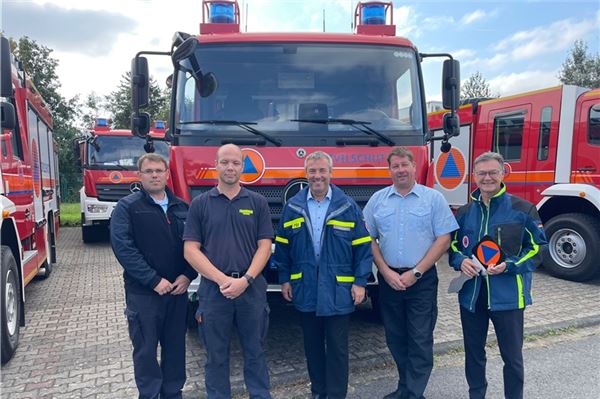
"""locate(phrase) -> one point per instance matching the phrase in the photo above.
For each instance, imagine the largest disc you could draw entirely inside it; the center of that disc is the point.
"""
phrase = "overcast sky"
(516, 45)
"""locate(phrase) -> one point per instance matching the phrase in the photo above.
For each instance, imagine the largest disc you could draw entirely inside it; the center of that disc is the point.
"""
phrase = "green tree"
(119, 102)
(581, 68)
(40, 67)
(91, 110)
(476, 87)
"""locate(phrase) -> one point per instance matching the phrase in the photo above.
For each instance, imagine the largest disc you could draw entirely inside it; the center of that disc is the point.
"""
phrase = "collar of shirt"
(327, 196)
(416, 190)
(164, 203)
(214, 192)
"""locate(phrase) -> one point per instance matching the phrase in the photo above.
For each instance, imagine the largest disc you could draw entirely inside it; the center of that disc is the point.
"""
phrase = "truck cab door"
(586, 162)
(509, 130)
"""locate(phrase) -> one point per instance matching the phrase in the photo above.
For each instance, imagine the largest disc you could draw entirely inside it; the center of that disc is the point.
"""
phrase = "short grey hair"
(319, 155)
(489, 156)
(151, 157)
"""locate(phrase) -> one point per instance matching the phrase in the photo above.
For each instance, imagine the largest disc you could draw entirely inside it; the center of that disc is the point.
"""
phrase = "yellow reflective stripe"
(362, 240)
(520, 292)
(344, 279)
(340, 223)
(532, 252)
(454, 242)
(296, 276)
(282, 240)
(295, 223)
(246, 212)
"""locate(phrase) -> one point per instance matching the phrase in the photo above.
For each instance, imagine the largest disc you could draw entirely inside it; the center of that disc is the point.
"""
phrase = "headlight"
(96, 208)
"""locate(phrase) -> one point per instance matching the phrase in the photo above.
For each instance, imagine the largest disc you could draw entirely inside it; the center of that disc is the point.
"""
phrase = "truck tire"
(373, 291)
(11, 304)
(573, 249)
(90, 234)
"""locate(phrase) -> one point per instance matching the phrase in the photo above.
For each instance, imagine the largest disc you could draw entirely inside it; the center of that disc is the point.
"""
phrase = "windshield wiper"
(361, 126)
(244, 125)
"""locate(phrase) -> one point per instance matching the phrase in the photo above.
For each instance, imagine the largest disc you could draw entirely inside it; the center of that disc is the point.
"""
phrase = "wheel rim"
(567, 248)
(11, 303)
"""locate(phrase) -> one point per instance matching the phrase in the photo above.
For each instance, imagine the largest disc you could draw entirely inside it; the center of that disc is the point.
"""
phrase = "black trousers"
(153, 319)
(508, 325)
(326, 350)
(409, 319)
(249, 315)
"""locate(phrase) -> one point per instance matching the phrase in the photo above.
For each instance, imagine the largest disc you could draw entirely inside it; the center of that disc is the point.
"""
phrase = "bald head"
(230, 150)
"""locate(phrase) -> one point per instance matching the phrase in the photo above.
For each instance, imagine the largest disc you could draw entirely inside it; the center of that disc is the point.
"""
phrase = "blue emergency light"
(101, 122)
(373, 14)
(159, 124)
(222, 13)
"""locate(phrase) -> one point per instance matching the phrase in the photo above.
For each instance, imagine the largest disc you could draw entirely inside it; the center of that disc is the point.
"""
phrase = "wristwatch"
(417, 273)
(249, 278)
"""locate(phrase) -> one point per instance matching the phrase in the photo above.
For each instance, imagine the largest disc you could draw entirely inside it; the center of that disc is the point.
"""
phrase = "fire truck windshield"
(119, 152)
(296, 92)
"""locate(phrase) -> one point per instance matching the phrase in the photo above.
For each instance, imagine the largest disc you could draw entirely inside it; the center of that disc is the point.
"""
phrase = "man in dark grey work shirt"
(228, 236)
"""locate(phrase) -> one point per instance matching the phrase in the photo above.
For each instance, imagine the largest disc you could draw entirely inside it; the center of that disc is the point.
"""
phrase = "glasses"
(152, 171)
(490, 173)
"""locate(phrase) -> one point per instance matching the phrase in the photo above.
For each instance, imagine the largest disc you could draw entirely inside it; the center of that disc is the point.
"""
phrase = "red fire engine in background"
(550, 140)
(281, 96)
(108, 159)
(29, 195)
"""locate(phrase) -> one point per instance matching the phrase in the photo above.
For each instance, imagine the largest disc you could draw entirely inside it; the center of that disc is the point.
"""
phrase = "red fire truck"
(108, 159)
(29, 195)
(281, 96)
(550, 140)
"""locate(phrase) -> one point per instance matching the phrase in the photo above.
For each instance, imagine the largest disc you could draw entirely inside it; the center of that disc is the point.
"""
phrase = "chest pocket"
(419, 220)
(509, 236)
(384, 219)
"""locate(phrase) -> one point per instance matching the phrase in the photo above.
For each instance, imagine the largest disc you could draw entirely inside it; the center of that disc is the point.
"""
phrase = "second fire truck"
(550, 140)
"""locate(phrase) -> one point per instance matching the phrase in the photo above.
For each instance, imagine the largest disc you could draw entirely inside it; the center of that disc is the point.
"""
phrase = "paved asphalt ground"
(75, 343)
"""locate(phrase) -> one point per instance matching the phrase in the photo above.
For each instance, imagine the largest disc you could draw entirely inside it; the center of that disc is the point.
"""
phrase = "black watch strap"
(249, 278)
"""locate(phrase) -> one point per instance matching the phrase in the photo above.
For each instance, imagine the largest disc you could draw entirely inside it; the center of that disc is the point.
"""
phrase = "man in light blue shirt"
(317, 210)
(412, 224)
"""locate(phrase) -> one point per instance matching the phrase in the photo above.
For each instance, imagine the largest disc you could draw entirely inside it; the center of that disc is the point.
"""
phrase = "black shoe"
(397, 394)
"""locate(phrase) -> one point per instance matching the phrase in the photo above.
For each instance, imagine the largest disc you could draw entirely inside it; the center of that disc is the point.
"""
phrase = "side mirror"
(140, 87)
(5, 69)
(140, 124)
(451, 124)
(8, 119)
(185, 50)
(451, 84)
(208, 84)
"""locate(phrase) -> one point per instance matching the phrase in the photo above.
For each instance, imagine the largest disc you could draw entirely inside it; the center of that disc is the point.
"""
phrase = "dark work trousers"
(153, 319)
(249, 314)
(409, 319)
(508, 325)
(326, 350)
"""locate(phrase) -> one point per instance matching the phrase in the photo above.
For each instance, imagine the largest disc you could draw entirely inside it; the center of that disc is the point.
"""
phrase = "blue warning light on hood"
(222, 13)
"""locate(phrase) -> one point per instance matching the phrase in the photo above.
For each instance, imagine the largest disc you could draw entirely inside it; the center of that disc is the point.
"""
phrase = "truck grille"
(274, 195)
(112, 192)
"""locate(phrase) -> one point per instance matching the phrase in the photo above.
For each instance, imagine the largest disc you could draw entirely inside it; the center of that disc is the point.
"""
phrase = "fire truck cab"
(29, 194)
(108, 159)
(282, 96)
(550, 140)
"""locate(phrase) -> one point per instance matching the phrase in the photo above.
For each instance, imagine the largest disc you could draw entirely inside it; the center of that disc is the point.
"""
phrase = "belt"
(236, 274)
(401, 270)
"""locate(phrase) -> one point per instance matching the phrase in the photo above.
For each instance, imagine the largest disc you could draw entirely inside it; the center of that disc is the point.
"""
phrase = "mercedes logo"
(300, 152)
(293, 188)
(135, 186)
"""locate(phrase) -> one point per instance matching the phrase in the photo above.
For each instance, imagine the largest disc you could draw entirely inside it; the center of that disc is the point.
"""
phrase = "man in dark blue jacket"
(146, 236)
(323, 253)
(503, 292)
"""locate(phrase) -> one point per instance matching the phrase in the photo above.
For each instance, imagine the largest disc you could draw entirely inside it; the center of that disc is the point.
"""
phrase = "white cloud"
(546, 39)
(473, 17)
(463, 53)
(518, 82)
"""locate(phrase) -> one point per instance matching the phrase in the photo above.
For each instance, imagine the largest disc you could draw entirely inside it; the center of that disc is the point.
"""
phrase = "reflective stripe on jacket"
(515, 225)
(345, 257)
